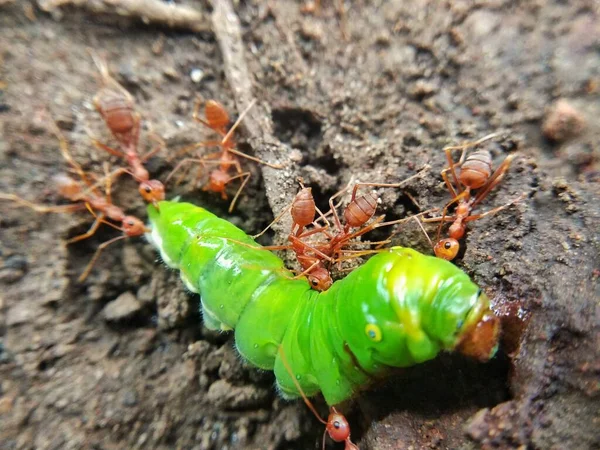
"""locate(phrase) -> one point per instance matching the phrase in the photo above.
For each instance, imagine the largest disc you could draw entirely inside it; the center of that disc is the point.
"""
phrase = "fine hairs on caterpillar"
(398, 309)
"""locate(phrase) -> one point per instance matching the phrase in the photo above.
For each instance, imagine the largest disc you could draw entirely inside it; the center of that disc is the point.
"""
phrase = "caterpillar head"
(414, 306)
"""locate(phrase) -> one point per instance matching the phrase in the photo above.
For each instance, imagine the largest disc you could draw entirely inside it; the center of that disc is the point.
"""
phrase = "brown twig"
(281, 184)
(148, 11)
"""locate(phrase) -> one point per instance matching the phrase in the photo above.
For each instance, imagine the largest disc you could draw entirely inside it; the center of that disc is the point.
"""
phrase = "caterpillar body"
(398, 309)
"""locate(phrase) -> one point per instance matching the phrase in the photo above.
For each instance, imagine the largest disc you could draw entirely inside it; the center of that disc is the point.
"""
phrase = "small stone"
(562, 122)
(196, 75)
(129, 398)
(124, 307)
(6, 404)
(171, 73)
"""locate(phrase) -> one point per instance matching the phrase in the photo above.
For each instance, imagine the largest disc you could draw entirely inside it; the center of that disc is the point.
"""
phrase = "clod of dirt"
(498, 427)
(224, 395)
(562, 122)
(125, 307)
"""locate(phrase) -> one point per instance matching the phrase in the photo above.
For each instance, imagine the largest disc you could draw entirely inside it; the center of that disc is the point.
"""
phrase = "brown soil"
(412, 77)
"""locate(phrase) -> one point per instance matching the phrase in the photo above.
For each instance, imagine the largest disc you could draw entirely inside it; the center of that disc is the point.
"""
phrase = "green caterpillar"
(398, 309)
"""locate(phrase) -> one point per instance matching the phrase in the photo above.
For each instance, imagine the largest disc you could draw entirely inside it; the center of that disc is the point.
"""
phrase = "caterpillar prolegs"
(398, 309)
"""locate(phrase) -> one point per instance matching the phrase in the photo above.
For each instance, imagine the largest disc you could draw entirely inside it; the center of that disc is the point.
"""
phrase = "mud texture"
(123, 361)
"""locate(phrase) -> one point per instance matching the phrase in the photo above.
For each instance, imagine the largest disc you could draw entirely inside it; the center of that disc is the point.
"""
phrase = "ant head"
(447, 249)
(337, 426)
(132, 226)
(152, 191)
(319, 279)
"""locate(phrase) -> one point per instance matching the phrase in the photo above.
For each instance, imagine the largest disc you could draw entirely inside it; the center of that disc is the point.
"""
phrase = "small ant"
(226, 159)
(315, 258)
(85, 196)
(116, 106)
(336, 425)
(475, 174)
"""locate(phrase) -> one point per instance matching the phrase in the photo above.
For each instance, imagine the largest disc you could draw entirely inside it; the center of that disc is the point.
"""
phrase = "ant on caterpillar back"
(226, 159)
(317, 258)
(470, 173)
(117, 108)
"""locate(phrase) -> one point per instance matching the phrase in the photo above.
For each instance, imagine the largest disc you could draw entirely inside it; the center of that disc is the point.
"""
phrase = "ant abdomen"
(216, 115)
(476, 170)
(360, 210)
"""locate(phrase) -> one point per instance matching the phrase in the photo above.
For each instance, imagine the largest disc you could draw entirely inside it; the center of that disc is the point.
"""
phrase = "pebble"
(125, 306)
(196, 75)
(562, 122)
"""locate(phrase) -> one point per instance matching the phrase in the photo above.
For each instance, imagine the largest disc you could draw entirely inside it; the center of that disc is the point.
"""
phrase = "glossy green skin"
(398, 309)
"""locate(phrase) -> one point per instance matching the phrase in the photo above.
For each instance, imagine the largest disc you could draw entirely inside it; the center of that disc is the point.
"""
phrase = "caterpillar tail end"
(481, 340)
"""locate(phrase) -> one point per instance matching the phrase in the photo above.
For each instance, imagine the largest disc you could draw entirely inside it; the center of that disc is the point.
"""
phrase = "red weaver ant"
(475, 174)
(316, 258)
(86, 196)
(116, 106)
(336, 425)
(226, 158)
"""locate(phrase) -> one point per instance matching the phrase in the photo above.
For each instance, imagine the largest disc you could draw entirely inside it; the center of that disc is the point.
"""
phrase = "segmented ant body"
(316, 258)
(85, 195)
(472, 173)
(226, 160)
(117, 108)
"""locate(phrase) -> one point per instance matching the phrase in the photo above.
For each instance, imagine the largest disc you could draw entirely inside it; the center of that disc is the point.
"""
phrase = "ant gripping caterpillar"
(398, 309)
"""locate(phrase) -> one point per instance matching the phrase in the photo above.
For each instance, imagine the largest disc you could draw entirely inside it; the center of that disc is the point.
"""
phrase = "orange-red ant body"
(85, 196)
(226, 159)
(316, 258)
(117, 108)
(475, 174)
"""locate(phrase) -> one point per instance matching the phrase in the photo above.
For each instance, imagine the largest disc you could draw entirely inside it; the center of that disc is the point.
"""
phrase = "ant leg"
(245, 176)
(451, 168)
(42, 208)
(307, 271)
(181, 163)
(160, 144)
(108, 149)
(419, 174)
(495, 210)
(317, 252)
(188, 148)
(332, 209)
(237, 122)
(101, 247)
(416, 217)
(252, 158)
(274, 221)
(89, 233)
(66, 154)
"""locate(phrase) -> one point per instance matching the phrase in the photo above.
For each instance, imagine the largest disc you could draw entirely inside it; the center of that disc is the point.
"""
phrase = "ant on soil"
(317, 258)
(116, 106)
(475, 174)
(85, 195)
(226, 159)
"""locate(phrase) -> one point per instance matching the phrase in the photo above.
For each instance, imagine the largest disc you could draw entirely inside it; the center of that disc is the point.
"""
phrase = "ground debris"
(125, 307)
(148, 11)
(562, 122)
